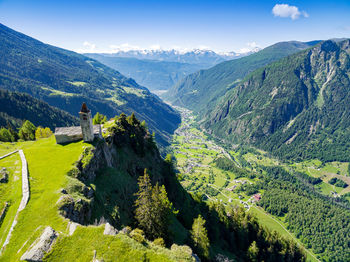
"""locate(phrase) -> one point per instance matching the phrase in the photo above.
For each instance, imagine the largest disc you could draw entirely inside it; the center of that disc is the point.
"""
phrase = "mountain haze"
(161, 69)
(154, 74)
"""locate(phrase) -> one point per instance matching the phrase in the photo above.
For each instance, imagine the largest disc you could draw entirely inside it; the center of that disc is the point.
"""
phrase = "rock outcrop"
(78, 211)
(4, 175)
(110, 230)
(41, 246)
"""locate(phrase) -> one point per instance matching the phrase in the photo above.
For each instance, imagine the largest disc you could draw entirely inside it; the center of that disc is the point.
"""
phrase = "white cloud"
(88, 45)
(124, 47)
(155, 47)
(87, 48)
(251, 46)
(285, 10)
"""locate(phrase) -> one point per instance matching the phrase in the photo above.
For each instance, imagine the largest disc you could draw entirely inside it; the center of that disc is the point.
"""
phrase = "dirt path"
(25, 196)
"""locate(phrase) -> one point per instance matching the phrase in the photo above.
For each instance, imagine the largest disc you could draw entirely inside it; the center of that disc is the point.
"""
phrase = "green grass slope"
(48, 166)
(295, 108)
(64, 79)
(202, 90)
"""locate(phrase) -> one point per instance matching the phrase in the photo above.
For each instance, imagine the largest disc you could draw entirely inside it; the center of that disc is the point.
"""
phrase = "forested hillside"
(202, 90)
(296, 108)
(65, 79)
(17, 107)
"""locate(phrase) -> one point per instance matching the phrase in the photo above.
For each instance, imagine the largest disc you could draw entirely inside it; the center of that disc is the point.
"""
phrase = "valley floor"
(195, 154)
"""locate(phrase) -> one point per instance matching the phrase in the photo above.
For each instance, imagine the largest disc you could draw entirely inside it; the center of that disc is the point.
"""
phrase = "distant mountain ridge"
(201, 91)
(296, 108)
(195, 56)
(161, 69)
(65, 79)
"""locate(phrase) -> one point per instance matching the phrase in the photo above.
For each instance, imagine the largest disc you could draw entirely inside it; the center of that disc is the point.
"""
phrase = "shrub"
(6, 136)
(138, 235)
(41, 132)
(27, 131)
(159, 242)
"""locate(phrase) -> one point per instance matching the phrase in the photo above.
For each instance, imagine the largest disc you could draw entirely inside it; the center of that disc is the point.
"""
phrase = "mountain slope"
(154, 74)
(17, 107)
(201, 90)
(99, 183)
(66, 79)
(296, 108)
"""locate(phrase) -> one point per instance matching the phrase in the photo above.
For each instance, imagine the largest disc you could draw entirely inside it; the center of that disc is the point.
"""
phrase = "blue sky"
(93, 25)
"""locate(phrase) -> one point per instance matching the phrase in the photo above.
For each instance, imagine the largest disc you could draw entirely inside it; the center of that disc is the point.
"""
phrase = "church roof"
(84, 108)
(74, 130)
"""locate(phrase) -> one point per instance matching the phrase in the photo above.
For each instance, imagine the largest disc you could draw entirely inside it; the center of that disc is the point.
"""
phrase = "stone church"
(86, 131)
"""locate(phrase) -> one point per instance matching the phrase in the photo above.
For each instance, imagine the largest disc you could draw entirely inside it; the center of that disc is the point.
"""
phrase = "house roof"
(74, 130)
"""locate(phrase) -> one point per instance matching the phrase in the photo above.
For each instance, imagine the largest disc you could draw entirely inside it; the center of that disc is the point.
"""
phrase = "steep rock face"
(41, 246)
(293, 106)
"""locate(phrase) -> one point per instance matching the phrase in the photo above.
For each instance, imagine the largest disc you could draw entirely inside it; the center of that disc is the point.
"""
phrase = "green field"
(10, 193)
(48, 164)
(110, 248)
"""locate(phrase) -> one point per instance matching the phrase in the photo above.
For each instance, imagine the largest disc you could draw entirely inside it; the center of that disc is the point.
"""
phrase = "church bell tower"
(86, 123)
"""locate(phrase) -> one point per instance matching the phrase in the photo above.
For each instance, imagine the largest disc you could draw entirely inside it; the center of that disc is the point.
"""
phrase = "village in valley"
(195, 154)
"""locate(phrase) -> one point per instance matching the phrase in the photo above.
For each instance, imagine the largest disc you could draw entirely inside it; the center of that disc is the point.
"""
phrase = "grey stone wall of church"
(86, 126)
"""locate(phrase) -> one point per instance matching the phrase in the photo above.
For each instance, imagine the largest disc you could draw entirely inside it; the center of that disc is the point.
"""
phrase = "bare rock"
(110, 230)
(4, 176)
(72, 226)
(41, 246)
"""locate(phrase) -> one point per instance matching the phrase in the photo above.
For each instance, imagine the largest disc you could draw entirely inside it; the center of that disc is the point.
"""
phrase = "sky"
(219, 25)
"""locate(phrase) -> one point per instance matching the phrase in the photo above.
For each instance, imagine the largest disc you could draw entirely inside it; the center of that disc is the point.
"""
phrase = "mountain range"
(159, 70)
(200, 91)
(195, 56)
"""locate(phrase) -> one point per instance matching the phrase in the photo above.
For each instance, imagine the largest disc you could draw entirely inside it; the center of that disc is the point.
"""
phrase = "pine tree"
(99, 119)
(199, 236)
(253, 252)
(133, 120)
(153, 208)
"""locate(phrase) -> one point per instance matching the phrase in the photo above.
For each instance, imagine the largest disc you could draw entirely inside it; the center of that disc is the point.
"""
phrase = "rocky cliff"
(296, 107)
